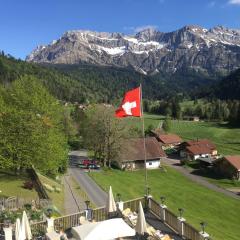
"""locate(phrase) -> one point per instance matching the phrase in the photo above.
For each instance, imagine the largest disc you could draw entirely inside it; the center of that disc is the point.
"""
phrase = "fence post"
(181, 220)
(50, 224)
(163, 211)
(203, 235)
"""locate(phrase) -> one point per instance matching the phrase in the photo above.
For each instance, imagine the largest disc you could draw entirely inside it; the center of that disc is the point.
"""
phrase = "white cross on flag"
(131, 104)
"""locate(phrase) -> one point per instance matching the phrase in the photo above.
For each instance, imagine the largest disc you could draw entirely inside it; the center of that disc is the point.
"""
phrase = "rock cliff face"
(212, 51)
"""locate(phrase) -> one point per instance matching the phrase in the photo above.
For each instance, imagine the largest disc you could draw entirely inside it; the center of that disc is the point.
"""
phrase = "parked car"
(93, 166)
(83, 166)
(88, 161)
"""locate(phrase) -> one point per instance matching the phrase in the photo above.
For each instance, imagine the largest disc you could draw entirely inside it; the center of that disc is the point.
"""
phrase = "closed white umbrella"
(111, 205)
(141, 226)
(26, 227)
(22, 232)
(17, 229)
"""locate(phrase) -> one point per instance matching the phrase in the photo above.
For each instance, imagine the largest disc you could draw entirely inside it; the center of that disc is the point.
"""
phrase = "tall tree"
(31, 129)
(103, 133)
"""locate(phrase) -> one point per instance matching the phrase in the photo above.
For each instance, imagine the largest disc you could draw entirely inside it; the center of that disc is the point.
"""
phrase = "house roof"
(169, 138)
(133, 149)
(234, 161)
(204, 142)
(199, 149)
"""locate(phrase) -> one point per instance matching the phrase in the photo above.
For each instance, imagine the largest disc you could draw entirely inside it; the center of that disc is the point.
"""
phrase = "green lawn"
(149, 119)
(220, 212)
(12, 186)
(226, 139)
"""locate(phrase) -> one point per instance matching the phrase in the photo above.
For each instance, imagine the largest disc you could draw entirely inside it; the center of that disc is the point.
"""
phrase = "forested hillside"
(87, 83)
(229, 87)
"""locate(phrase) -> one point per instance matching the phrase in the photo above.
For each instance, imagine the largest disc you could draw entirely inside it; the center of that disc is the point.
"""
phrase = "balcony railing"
(163, 214)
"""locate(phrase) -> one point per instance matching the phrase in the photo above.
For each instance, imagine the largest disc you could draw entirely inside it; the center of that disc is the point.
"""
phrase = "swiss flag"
(131, 104)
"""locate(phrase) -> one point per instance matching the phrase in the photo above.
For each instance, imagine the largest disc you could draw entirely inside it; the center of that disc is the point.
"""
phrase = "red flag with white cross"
(131, 104)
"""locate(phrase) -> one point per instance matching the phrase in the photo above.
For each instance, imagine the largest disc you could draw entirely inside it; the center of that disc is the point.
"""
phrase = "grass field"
(11, 185)
(200, 204)
(226, 139)
(149, 119)
(56, 197)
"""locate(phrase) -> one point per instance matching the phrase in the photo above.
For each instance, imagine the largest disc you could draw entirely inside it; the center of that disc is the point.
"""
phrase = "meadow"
(227, 139)
(199, 203)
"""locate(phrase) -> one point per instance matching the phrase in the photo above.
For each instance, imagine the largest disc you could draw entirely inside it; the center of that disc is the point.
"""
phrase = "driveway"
(175, 163)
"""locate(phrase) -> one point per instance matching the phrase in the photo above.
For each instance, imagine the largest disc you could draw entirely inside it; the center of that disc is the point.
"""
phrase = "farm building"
(191, 118)
(195, 149)
(229, 166)
(132, 154)
(169, 140)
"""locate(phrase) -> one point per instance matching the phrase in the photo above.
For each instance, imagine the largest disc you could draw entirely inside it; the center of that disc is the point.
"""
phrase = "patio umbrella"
(17, 229)
(25, 227)
(111, 205)
(141, 226)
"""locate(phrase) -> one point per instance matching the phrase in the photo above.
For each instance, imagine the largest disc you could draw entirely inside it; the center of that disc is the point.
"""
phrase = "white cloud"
(237, 2)
(141, 28)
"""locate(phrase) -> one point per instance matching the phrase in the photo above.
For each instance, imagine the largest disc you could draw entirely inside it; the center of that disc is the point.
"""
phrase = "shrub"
(28, 185)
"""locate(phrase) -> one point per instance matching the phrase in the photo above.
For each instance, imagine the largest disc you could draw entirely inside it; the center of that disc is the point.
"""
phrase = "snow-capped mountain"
(216, 50)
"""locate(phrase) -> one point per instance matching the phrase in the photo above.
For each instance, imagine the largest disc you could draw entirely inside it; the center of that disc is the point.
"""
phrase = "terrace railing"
(39, 228)
(68, 221)
(184, 229)
(187, 231)
(133, 204)
(172, 220)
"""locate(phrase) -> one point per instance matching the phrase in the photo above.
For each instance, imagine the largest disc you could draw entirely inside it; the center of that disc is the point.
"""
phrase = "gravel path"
(188, 173)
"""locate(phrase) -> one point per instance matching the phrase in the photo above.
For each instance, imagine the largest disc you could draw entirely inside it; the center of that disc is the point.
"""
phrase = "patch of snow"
(112, 51)
(189, 45)
(103, 38)
(140, 52)
(130, 39)
(142, 71)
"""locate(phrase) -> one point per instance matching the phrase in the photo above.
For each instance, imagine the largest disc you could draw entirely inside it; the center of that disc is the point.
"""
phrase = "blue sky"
(27, 23)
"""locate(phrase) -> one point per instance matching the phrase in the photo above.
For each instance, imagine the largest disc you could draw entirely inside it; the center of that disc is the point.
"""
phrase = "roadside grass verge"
(57, 197)
(200, 204)
(12, 186)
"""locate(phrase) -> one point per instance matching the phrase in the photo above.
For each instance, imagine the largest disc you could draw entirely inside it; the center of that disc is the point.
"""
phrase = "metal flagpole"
(144, 142)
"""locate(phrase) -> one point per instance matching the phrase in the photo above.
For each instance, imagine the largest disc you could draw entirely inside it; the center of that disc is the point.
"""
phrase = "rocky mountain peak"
(212, 51)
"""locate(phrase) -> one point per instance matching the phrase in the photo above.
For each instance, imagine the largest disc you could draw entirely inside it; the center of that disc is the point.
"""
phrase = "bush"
(28, 185)
(28, 206)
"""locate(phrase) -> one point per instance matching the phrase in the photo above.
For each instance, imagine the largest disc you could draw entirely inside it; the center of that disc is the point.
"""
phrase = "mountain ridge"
(211, 51)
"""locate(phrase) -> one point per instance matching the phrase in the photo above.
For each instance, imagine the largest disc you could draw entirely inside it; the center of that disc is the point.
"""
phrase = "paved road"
(72, 201)
(188, 173)
(94, 192)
